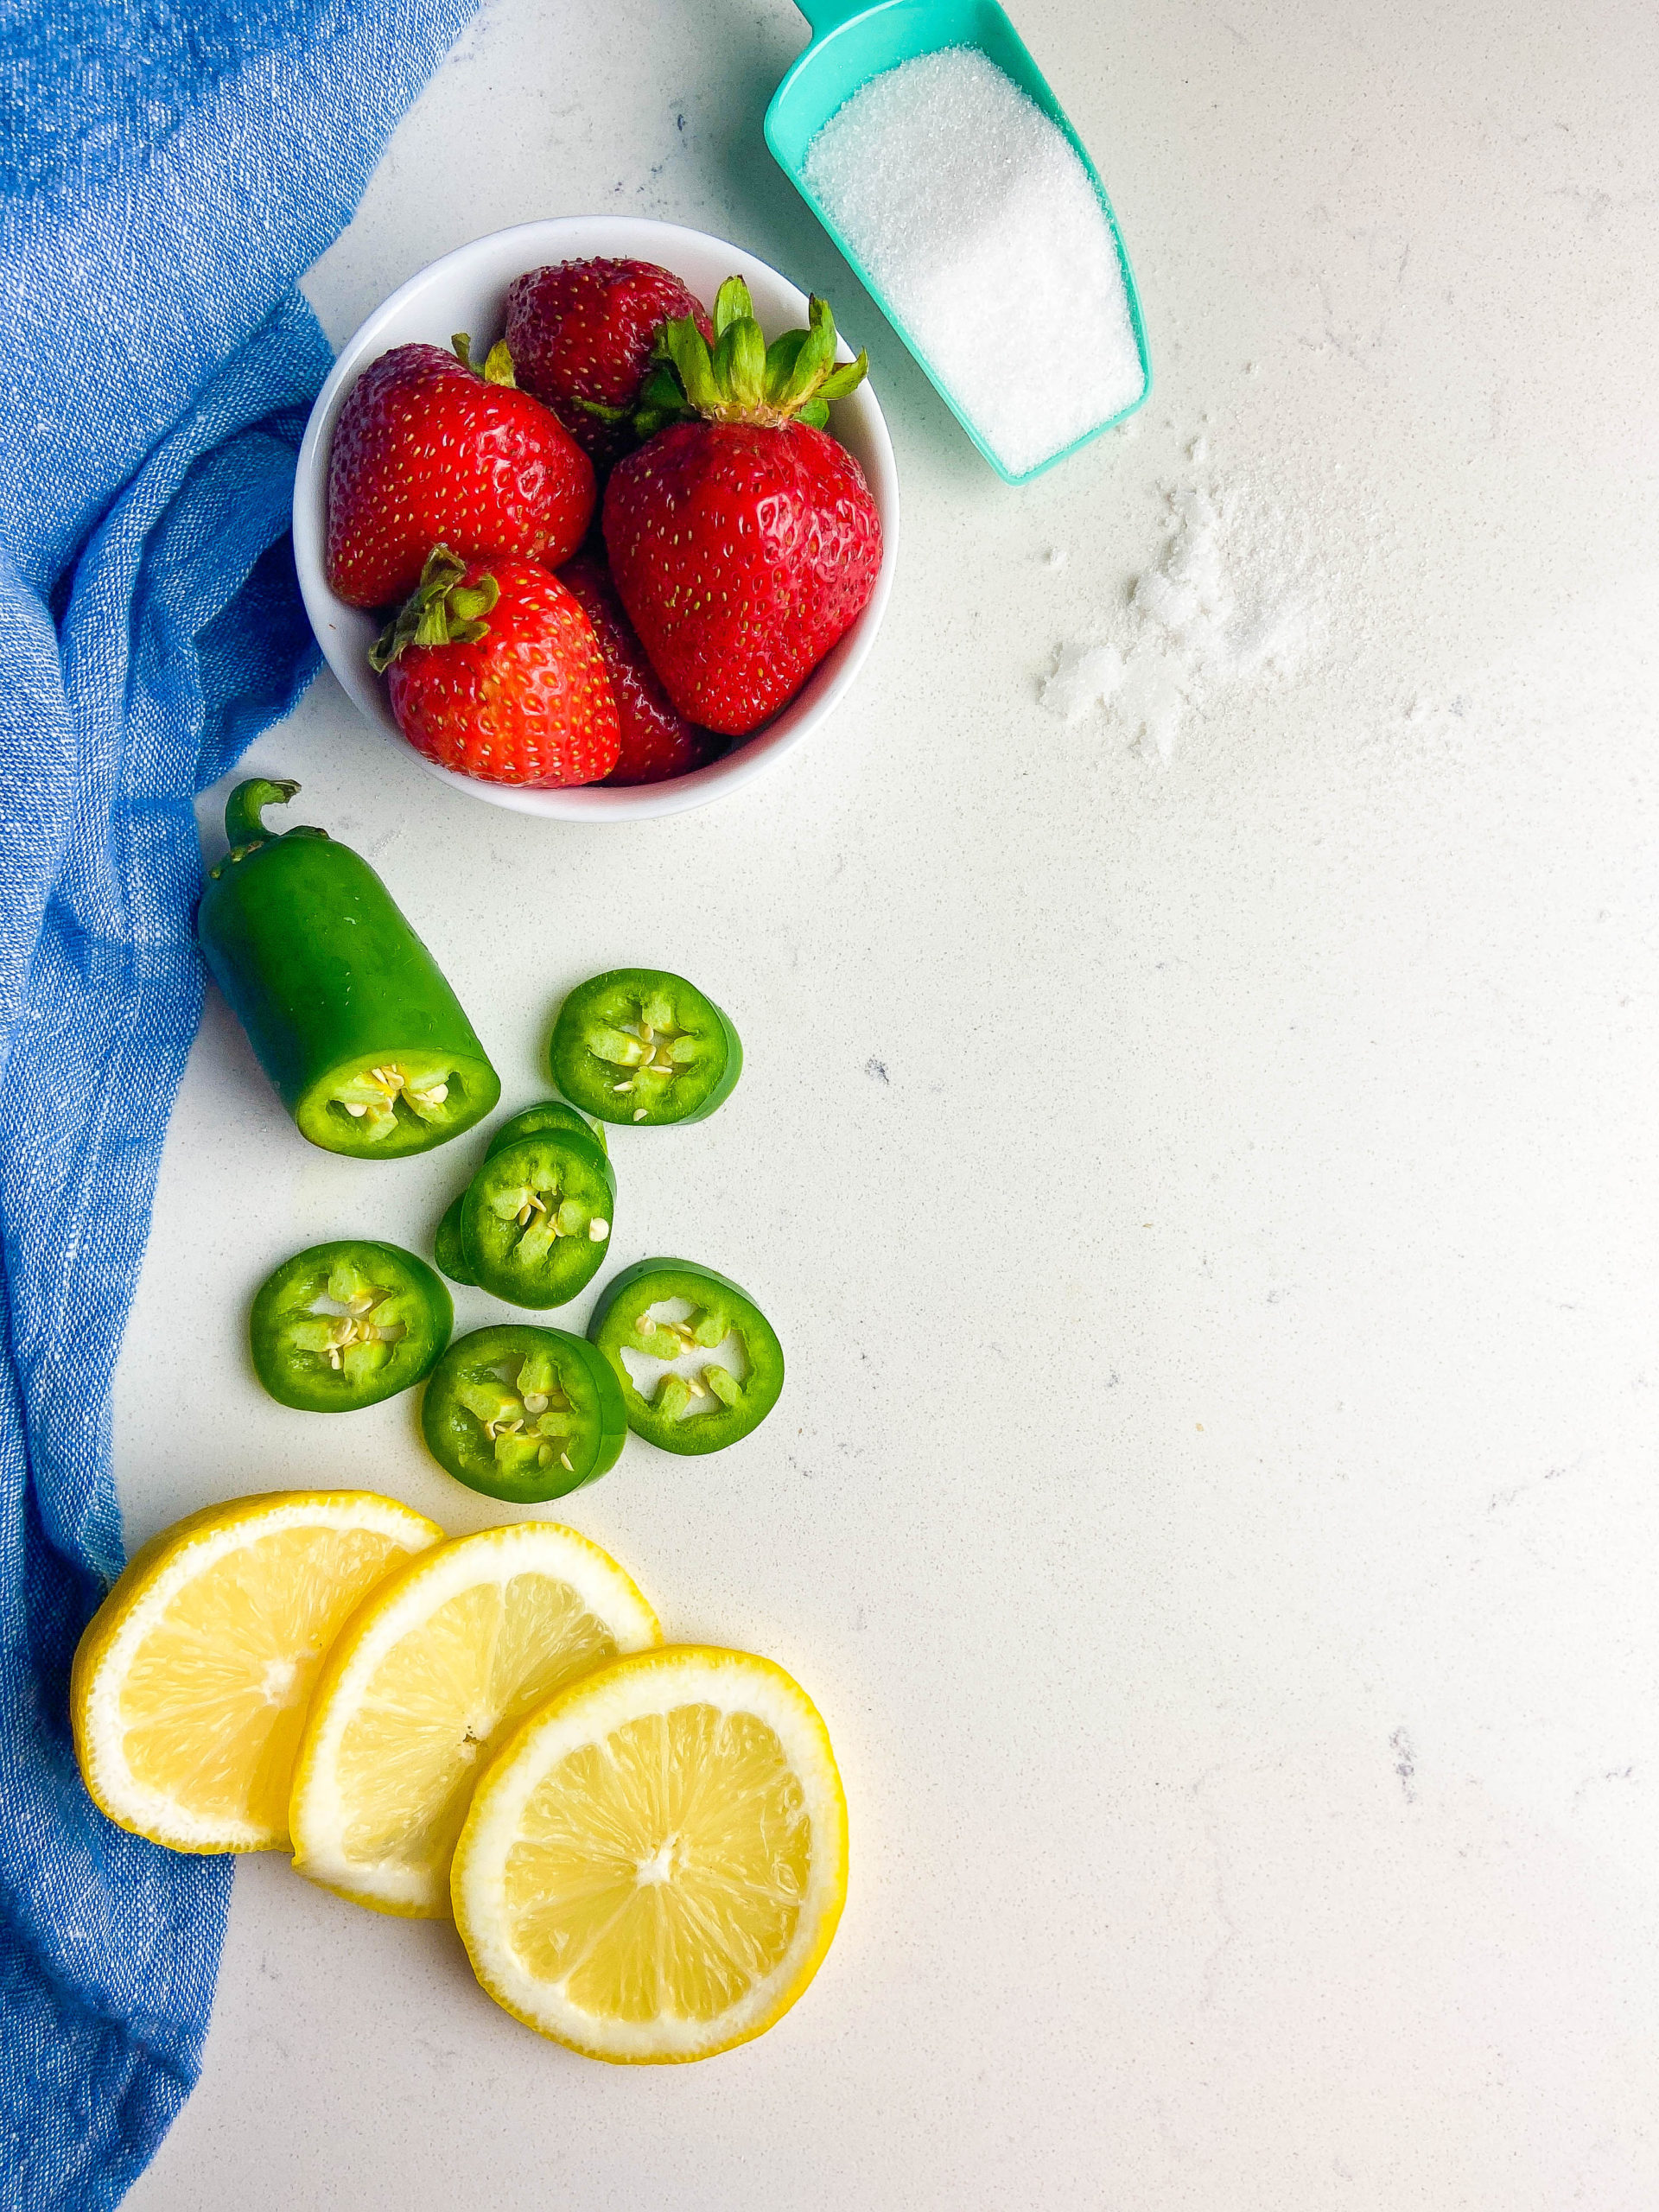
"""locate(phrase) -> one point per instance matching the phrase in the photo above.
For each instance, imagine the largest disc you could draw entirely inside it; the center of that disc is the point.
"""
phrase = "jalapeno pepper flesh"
(549, 1113)
(346, 1009)
(344, 1325)
(719, 1367)
(449, 1246)
(522, 1413)
(536, 1219)
(642, 1046)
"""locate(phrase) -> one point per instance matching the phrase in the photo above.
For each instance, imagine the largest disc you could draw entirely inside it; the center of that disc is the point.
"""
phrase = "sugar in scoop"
(972, 215)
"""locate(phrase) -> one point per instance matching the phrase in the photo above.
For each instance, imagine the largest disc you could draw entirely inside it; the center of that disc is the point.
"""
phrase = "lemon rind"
(621, 1690)
(145, 1588)
(316, 1814)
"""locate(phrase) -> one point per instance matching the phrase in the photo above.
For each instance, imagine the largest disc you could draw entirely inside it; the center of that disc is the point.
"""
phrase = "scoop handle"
(827, 15)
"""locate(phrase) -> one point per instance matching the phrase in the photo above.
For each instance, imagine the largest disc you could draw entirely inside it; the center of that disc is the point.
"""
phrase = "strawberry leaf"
(498, 362)
(845, 377)
(732, 304)
(689, 355)
(780, 363)
(741, 365)
(744, 380)
(816, 358)
(440, 611)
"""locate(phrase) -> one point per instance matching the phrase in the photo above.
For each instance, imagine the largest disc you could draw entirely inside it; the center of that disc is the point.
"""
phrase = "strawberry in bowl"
(657, 742)
(583, 333)
(494, 671)
(430, 450)
(742, 537)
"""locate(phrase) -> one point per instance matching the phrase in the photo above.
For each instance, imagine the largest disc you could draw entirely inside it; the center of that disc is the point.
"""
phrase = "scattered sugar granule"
(975, 218)
(1225, 604)
(1055, 557)
(1084, 676)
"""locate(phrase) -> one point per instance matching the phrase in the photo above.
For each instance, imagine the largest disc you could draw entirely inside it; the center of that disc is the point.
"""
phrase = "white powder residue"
(1228, 604)
(1084, 676)
(973, 216)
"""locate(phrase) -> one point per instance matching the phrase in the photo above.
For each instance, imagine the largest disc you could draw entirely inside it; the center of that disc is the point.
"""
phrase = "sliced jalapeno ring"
(523, 1413)
(449, 1246)
(699, 1364)
(536, 1219)
(641, 1047)
(550, 1113)
(344, 1325)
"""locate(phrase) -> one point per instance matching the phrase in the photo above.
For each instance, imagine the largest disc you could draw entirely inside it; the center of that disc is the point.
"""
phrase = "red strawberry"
(745, 545)
(583, 330)
(429, 451)
(658, 741)
(519, 698)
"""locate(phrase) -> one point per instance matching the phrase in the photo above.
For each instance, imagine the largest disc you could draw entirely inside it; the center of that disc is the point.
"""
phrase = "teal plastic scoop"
(853, 42)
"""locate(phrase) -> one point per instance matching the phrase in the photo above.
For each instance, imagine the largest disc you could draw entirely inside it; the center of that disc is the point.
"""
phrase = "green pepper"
(344, 1006)
(536, 1219)
(550, 1113)
(343, 1325)
(699, 1364)
(449, 1246)
(639, 1046)
(523, 1414)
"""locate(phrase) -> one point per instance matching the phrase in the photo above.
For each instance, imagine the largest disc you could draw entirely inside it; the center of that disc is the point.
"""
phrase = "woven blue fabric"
(168, 168)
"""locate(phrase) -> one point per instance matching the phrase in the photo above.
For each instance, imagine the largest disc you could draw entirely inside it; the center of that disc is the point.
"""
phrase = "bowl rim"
(564, 237)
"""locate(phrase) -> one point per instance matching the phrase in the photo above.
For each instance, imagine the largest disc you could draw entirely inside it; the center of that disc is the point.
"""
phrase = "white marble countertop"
(1211, 1207)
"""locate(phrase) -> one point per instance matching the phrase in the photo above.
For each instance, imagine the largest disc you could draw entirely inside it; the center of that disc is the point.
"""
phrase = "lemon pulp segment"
(662, 1870)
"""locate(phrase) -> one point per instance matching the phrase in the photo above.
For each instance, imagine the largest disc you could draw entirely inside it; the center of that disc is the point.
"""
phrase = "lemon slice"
(190, 1682)
(445, 1661)
(654, 1865)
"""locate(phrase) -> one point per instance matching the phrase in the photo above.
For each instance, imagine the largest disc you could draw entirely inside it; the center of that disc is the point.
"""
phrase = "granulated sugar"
(1230, 601)
(978, 221)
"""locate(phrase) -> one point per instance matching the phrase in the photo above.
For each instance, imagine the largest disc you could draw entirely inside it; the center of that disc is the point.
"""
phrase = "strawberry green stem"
(498, 362)
(440, 611)
(744, 379)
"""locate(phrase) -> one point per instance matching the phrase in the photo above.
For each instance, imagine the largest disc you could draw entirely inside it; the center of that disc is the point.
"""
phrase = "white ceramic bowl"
(467, 290)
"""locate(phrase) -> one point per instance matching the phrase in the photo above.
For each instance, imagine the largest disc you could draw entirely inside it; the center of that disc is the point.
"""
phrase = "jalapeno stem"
(248, 802)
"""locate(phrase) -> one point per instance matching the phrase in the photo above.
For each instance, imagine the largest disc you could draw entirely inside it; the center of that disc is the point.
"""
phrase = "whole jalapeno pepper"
(522, 1413)
(640, 1046)
(344, 1325)
(345, 1007)
(699, 1364)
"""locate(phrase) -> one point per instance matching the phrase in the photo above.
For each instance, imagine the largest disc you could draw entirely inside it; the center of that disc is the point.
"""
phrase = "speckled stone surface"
(1210, 1208)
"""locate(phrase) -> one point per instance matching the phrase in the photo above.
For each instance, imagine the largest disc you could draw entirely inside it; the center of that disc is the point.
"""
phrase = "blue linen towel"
(168, 168)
